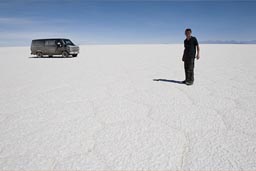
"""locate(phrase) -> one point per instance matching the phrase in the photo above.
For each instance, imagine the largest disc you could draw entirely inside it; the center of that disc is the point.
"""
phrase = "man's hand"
(197, 56)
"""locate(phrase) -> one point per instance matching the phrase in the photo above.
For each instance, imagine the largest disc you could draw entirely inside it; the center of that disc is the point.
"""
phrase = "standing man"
(191, 47)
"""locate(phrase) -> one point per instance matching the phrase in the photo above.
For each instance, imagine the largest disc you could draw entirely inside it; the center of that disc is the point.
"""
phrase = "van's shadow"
(170, 81)
(50, 57)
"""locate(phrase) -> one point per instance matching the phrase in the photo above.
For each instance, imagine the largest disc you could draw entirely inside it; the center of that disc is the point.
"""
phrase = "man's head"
(188, 32)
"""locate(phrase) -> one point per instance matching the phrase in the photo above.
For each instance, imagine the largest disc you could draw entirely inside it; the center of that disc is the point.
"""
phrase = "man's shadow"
(170, 81)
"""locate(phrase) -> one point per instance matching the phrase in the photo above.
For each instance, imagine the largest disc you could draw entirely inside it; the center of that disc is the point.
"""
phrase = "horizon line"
(89, 44)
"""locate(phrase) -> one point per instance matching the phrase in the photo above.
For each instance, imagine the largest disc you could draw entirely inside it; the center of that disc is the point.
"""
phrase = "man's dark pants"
(189, 69)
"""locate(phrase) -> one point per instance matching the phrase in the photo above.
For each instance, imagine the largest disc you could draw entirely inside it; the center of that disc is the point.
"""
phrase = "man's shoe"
(189, 83)
(183, 82)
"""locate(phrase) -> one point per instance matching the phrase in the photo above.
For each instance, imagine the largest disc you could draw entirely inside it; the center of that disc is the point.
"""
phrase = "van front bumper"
(73, 53)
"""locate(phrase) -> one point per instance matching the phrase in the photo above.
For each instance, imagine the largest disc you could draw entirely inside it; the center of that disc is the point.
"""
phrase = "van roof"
(50, 39)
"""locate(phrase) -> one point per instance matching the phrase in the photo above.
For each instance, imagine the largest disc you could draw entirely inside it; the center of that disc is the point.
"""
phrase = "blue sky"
(87, 21)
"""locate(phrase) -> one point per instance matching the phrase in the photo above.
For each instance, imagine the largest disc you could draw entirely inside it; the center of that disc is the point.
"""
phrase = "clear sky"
(141, 21)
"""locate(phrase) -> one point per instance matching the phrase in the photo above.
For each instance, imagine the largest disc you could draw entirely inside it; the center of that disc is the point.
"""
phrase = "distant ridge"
(228, 42)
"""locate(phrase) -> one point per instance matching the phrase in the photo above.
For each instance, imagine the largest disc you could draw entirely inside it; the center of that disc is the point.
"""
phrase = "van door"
(60, 47)
(50, 47)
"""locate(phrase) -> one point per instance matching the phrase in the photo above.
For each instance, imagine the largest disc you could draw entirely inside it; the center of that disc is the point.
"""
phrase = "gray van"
(50, 47)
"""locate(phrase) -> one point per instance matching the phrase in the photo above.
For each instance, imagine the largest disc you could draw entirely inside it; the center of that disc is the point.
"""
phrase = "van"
(50, 47)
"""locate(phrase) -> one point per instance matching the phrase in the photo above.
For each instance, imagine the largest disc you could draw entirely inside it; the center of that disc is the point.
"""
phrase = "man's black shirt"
(190, 48)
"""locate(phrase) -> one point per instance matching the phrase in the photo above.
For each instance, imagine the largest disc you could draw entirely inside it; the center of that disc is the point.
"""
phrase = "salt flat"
(103, 111)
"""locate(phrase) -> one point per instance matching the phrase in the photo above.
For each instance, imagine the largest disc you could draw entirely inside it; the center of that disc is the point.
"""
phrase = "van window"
(68, 42)
(38, 42)
(50, 43)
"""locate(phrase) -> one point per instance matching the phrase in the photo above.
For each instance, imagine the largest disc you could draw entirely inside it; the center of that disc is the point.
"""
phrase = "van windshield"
(68, 42)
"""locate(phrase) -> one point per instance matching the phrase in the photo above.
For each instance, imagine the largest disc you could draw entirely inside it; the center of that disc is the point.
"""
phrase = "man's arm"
(183, 56)
(183, 52)
(197, 49)
(198, 52)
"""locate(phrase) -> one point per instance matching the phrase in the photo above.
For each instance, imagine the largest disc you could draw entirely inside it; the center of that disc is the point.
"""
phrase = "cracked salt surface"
(103, 111)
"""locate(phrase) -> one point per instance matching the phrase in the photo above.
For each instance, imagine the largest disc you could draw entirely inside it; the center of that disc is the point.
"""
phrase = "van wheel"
(39, 54)
(65, 54)
(75, 55)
